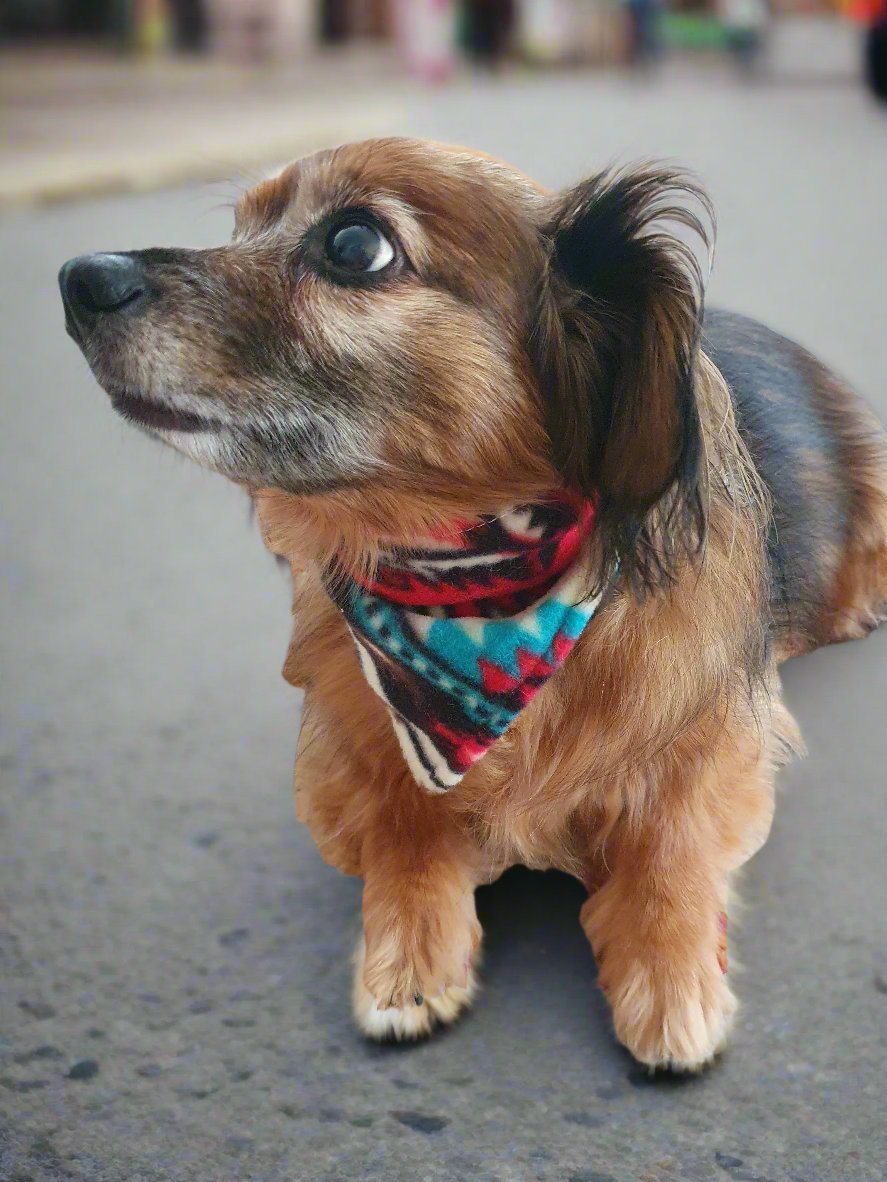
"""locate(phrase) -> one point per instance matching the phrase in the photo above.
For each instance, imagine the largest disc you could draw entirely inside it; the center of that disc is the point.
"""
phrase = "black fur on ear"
(615, 346)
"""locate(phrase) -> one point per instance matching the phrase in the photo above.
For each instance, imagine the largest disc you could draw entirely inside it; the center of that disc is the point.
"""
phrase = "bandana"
(459, 634)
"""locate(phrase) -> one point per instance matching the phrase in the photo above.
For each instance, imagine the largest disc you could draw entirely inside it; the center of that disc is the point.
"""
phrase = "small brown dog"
(407, 343)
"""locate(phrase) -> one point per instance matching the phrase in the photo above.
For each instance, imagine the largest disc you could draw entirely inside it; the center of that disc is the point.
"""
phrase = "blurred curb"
(66, 175)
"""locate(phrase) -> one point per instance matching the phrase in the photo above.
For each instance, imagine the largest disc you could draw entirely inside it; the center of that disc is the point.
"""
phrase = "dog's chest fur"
(604, 725)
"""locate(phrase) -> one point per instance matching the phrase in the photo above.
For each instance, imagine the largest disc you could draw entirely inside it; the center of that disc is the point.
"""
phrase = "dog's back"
(823, 455)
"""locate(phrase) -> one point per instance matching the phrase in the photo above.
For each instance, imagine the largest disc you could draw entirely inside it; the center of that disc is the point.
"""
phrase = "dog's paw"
(418, 944)
(413, 1019)
(677, 1017)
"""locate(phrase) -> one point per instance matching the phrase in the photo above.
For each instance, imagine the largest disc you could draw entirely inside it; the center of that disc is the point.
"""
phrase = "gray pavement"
(175, 955)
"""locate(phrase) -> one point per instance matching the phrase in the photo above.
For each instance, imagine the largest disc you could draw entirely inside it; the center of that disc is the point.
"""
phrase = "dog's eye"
(359, 248)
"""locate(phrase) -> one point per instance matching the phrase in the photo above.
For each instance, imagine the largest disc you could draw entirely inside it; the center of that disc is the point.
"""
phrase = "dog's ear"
(615, 347)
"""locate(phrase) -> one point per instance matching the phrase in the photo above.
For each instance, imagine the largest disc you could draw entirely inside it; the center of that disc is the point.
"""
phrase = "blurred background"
(174, 955)
(129, 93)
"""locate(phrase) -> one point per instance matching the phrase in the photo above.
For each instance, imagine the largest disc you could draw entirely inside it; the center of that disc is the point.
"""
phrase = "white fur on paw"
(670, 1026)
(410, 1022)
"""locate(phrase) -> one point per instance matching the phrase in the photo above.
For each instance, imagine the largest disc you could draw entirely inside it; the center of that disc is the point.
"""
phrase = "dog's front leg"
(658, 924)
(415, 963)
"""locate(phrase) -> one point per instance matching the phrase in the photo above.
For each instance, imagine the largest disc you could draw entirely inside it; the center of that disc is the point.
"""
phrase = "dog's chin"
(229, 448)
(201, 436)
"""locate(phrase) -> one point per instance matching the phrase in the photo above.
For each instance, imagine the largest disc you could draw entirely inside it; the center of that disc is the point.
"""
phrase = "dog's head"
(403, 316)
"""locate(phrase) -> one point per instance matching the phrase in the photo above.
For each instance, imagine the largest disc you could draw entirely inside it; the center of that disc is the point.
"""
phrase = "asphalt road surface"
(175, 955)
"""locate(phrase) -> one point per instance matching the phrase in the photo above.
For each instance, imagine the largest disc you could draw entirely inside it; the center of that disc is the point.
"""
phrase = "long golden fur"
(646, 769)
(525, 343)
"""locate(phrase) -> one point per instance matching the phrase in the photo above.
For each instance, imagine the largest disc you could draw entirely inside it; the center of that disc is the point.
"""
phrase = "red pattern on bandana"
(537, 564)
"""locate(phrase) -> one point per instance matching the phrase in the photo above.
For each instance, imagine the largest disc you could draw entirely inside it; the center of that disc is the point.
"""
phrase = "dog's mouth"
(147, 413)
(73, 331)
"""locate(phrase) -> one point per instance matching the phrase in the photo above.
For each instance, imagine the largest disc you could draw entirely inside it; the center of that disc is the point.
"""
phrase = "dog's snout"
(96, 285)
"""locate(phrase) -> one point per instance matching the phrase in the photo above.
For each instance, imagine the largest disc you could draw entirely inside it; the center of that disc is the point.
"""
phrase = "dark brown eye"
(359, 248)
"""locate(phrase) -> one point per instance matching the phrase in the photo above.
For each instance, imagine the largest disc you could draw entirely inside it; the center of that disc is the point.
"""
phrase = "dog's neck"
(488, 567)
(355, 527)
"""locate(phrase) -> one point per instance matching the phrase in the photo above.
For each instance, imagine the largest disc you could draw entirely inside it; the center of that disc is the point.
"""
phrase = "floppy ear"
(615, 346)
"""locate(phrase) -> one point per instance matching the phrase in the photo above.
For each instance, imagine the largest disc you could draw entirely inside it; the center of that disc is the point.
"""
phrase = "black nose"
(95, 285)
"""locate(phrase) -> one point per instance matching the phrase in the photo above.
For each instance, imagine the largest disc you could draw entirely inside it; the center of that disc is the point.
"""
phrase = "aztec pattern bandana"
(459, 634)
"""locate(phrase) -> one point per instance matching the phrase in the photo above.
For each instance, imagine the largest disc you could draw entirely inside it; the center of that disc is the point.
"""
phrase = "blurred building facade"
(430, 33)
(284, 28)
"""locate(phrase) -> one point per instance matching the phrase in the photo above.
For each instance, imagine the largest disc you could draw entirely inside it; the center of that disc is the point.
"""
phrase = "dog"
(472, 414)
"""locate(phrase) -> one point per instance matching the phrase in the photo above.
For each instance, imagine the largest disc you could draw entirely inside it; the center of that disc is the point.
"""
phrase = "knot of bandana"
(459, 633)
